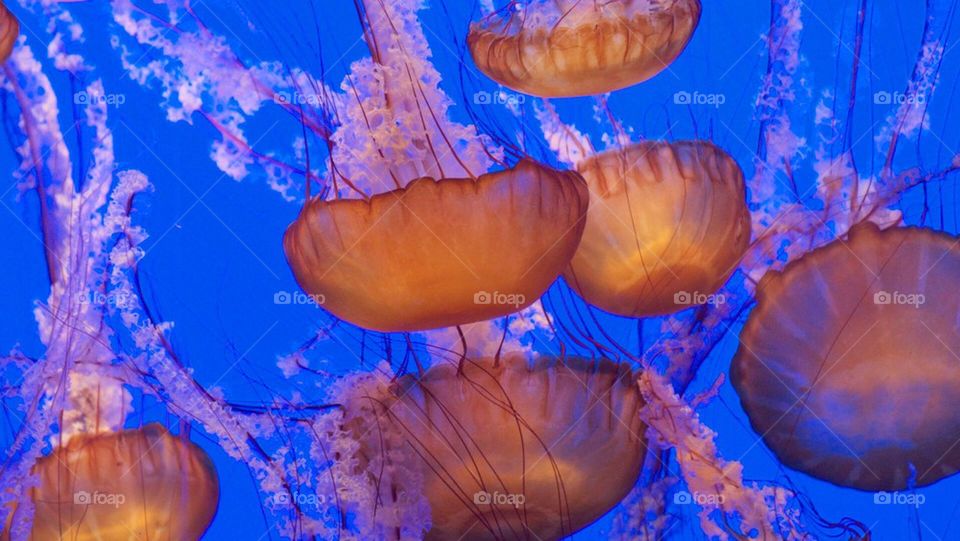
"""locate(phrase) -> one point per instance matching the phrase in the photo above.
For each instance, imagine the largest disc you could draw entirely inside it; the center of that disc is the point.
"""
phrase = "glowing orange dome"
(580, 48)
(440, 253)
(517, 450)
(9, 31)
(848, 366)
(135, 484)
(667, 225)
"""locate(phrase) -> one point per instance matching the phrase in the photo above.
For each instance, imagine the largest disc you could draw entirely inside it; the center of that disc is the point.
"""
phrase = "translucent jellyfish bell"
(848, 366)
(667, 225)
(135, 484)
(440, 253)
(562, 48)
(521, 451)
(9, 31)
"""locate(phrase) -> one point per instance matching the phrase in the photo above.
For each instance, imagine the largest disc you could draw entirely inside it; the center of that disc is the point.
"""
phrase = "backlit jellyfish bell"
(511, 449)
(564, 48)
(847, 365)
(430, 254)
(133, 484)
(668, 223)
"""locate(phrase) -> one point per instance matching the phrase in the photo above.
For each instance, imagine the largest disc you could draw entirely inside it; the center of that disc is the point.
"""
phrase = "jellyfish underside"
(518, 451)
(135, 484)
(440, 253)
(582, 48)
(667, 225)
(847, 363)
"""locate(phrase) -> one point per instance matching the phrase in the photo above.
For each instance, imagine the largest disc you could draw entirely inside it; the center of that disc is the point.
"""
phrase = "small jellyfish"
(848, 363)
(564, 48)
(518, 450)
(667, 225)
(439, 253)
(9, 31)
(135, 484)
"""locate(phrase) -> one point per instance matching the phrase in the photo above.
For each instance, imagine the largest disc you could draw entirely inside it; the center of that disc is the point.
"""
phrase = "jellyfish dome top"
(9, 30)
(420, 257)
(134, 484)
(416, 233)
(847, 363)
(565, 48)
(514, 450)
(668, 223)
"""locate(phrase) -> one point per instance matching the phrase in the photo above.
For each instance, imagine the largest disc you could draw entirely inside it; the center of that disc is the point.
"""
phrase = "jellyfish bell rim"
(568, 81)
(530, 180)
(744, 360)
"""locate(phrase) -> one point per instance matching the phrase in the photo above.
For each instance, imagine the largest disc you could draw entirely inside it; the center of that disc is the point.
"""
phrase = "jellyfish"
(847, 365)
(667, 225)
(9, 30)
(567, 48)
(143, 484)
(439, 253)
(514, 450)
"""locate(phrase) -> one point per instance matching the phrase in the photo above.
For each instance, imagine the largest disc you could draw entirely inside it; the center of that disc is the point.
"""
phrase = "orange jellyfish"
(439, 253)
(514, 450)
(135, 484)
(667, 225)
(848, 364)
(9, 31)
(564, 48)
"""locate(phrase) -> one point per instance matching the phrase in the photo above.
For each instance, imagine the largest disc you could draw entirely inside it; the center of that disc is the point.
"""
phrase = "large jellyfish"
(442, 252)
(667, 225)
(848, 366)
(561, 48)
(512, 450)
(143, 484)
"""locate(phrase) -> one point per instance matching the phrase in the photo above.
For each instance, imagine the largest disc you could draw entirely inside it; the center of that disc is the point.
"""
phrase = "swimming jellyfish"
(667, 225)
(847, 365)
(439, 253)
(564, 48)
(143, 484)
(514, 450)
(9, 30)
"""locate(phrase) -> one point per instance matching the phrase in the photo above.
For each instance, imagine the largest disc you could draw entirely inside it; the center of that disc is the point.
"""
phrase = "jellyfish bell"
(571, 48)
(514, 450)
(9, 31)
(847, 365)
(667, 225)
(439, 253)
(134, 484)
